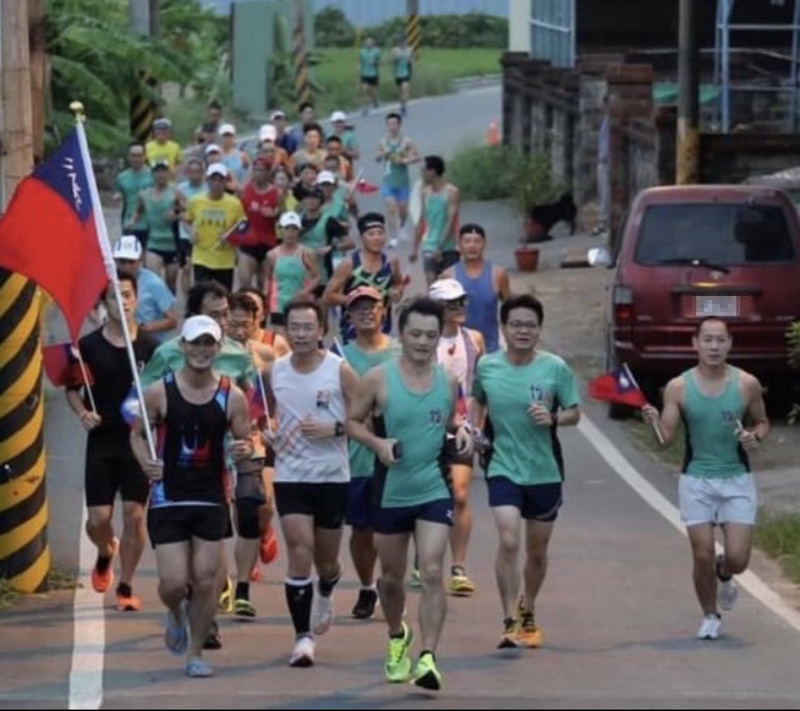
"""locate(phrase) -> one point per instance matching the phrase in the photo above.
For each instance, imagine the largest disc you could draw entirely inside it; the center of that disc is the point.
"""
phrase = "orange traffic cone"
(492, 134)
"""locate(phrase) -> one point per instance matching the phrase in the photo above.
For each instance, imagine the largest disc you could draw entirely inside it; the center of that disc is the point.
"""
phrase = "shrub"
(333, 29)
(793, 338)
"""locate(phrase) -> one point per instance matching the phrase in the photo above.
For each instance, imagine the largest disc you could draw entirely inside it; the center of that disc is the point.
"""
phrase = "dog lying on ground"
(549, 215)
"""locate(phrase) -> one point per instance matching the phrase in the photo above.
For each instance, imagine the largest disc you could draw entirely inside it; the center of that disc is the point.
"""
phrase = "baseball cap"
(162, 123)
(227, 129)
(267, 132)
(278, 114)
(217, 169)
(314, 192)
(290, 219)
(128, 247)
(362, 292)
(160, 165)
(326, 177)
(338, 116)
(196, 326)
(212, 148)
(446, 290)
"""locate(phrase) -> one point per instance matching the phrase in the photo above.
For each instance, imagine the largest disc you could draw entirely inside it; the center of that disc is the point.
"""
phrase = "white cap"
(217, 169)
(290, 219)
(324, 177)
(227, 129)
(267, 132)
(277, 114)
(128, 247)
(196, 326)
(338, 116)
(211, 147)
(446, 290)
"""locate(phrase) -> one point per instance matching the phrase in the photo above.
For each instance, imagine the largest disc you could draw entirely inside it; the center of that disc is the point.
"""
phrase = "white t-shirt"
(318, 395)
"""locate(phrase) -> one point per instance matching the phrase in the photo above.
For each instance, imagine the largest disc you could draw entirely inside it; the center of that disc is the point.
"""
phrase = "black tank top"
(194, 452)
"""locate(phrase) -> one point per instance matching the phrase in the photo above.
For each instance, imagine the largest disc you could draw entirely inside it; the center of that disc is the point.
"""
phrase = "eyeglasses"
(523, 325)
(456, 303)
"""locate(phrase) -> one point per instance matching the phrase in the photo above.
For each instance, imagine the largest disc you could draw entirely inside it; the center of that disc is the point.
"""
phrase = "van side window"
(720, 233)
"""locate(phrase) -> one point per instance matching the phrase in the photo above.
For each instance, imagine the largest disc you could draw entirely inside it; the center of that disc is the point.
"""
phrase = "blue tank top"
(481, 304)
(233, 162)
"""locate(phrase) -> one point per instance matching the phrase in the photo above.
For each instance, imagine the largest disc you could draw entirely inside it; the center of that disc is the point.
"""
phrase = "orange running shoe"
(269, 546)
(255, 574)
(131, 603)
(103, 580)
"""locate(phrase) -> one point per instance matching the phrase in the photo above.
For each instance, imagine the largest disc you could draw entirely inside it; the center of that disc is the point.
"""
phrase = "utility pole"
(302, 80)
(24, 552)
(143, 15)
(413, 28)
(37, 30)
(688, 144)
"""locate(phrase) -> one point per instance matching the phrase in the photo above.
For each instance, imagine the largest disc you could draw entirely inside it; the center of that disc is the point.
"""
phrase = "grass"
(57, 579)
(778, 535)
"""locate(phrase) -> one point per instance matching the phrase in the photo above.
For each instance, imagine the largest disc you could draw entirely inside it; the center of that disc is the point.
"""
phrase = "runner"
(159, 205)
(194, 184)
(290, 270)
(458, 351)
(209, 218)
(233, 158)
(417, 402)
(396, 151)
(283, 138)
(346, 134)
(369, 69)
(260, 201)
(322, 232)
(207, 132)
(522, 396)
(194, 408)
(436, 232)
(311, 388)
(370, 348)
(368, 266)
(486, 284)
(155, 307)
(402, 56)
(129, 183)
(716, 488)
(312, 151)
(162, 148)
(262, 334)
(110, 465)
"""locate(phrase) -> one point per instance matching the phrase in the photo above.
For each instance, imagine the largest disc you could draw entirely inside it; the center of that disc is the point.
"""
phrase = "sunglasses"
(456, 303)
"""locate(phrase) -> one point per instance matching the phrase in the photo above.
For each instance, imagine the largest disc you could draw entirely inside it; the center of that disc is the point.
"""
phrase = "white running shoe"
(392, 243)
(303, 652)
(710, 627)
(322, 616)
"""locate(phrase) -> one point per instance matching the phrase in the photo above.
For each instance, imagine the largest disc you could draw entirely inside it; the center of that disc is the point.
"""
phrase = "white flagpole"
(76, 351)
(111, 268)
(262, 388)
(656, 426)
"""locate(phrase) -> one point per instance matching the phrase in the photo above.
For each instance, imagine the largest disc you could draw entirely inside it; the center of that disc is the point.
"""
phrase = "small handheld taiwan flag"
(365, 187)
(62, 366)
(617, 386)
(239, 235)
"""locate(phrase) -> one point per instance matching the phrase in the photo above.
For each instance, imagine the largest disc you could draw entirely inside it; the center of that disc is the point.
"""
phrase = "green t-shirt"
(233, 361)
(435, 215)
(402, 63)
(524, 452)
(130, 183)
(362, 459)
(161, 236)
(369, 61)
(419, 421)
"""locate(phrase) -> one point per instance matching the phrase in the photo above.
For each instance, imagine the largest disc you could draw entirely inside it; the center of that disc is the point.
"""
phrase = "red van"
(686, 252)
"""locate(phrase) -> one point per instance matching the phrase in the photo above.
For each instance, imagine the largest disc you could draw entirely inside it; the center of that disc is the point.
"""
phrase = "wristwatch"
(338, 429)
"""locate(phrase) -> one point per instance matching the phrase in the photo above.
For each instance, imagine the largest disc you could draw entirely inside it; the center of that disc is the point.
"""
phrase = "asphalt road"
(617, 609)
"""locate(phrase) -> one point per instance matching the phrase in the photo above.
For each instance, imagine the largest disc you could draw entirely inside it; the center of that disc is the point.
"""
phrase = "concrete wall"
(519, 27)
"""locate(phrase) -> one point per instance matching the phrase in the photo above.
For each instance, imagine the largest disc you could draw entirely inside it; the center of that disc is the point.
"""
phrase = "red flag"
(365, 188)
(616, 387)
(240, 235)
(461, 403)
(62, 367)
(48, 233)
(256, 406)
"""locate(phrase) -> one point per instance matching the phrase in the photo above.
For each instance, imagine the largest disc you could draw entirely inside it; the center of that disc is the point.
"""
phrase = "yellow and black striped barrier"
(143, 111)
(24, 553)
(413, 35)
(302, 80)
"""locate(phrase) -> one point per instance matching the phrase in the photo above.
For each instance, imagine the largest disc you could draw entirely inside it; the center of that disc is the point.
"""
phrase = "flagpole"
(85, 375)
(111, 268)
(656, 426)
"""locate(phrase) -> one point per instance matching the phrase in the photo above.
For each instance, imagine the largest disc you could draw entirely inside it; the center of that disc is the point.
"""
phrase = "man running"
(311, 388)
(436, 231)
(370, 348)
(195, 408)
(525, 395)
(485, 283)
(369, 70)
(714, 400)
(130, 182)
(260, 201)
(162, 148)
(417, 402)
(396, 151)
(402, 57)
(110, 464)
(458, 351)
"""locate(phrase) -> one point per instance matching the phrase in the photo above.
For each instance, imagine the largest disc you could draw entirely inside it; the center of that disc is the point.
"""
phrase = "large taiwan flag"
(48, 233)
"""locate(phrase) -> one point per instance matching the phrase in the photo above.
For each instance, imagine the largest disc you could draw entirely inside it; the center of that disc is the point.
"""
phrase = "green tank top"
(436, 222)
(420, 422)
(290, 272)
(369, 59)
(712, 446)
(395, 175)
(160, 236)
(402, 65)
(362, 459)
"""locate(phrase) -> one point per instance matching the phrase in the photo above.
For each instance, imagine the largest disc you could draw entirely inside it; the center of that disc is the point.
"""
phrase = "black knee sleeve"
(247, 516)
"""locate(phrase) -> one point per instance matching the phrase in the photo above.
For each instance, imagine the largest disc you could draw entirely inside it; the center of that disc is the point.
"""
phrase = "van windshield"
(727, 234)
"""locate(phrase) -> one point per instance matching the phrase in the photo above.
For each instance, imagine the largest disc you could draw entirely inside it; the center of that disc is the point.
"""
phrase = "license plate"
(722, 306)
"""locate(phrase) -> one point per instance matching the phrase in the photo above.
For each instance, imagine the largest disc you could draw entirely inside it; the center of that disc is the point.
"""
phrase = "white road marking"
(89, 639)
(748, 580)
